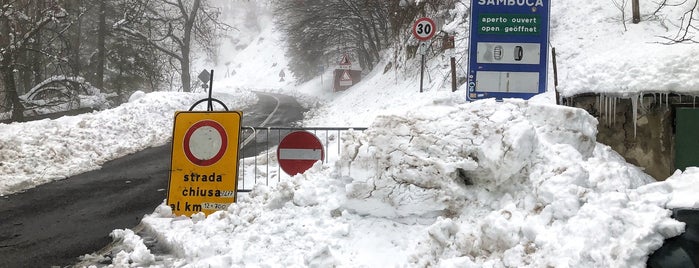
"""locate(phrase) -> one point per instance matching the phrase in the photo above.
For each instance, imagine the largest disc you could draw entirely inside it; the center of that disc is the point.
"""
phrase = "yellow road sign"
(204, 167)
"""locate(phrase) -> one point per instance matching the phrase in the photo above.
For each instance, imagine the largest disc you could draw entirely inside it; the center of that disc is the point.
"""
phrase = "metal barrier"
(258, 162)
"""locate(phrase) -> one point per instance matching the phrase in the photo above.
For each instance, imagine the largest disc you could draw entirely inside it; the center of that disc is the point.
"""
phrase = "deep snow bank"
(508, 180)
(37, 152)
(482, 184)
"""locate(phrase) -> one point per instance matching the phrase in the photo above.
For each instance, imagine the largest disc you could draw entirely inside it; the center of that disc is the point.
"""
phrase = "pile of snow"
(511, 184)
(37, 152)
(600, 53)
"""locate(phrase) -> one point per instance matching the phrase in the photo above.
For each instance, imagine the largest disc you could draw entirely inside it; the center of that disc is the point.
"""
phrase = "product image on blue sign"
(508, 48)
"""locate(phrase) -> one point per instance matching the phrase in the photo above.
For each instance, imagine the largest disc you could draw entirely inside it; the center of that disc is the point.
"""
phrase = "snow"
(38, 152)
(597, 54)
(434, 180)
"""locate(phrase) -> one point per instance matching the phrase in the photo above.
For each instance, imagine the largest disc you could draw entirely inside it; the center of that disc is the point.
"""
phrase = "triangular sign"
(346, 76)
(345, 60)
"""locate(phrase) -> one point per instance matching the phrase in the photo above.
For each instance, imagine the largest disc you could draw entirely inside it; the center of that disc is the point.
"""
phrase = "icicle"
(610, 101)
(604, 108)
(655, 98)
(640, 104)
(666, 95)
(662, 100)
(634, 106)
(599, 105)
(614, 110)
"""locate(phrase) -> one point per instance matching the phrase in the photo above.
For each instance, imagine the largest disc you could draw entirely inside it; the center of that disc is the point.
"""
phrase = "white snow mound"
(491, 184)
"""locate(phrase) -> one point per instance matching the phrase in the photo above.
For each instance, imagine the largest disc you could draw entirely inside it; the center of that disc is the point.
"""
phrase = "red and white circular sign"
(424, 29)
(298, 151)
(205, 142)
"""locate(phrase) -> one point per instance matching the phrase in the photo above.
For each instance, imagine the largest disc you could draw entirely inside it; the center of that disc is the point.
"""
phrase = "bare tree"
(686, 29)
(621, 6)
(102, 33)
(171, 27)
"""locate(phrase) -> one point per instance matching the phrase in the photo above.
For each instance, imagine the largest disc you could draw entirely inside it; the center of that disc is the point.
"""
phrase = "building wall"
(651, 147)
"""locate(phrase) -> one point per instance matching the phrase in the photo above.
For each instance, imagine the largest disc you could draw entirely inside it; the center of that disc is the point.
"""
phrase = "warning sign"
(345, 62)
(345, 79)
(204, 167)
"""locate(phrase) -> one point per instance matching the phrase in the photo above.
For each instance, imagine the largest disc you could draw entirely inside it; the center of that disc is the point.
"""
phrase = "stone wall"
(649, 145)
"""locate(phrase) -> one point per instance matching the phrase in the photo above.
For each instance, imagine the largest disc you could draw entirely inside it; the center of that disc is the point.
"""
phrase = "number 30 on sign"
(424, 29)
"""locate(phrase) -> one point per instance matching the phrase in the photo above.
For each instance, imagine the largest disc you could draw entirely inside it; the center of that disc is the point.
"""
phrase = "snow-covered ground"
(434, 181)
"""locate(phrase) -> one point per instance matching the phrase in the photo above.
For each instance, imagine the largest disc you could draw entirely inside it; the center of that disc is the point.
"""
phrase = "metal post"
(555, 75)
(422, 70)
(326, 146)
(267, 152)
(279, 167)
(255, 173)
(210, 107)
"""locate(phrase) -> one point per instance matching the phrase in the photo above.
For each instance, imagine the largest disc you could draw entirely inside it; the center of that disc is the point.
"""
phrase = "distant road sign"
(424, 29)
(204, 76)
(345, 78)
(298, 151)
(508, 49)
(345, 63)
(204, 166)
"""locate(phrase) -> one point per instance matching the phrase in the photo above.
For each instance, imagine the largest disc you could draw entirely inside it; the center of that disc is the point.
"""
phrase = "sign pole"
(555, 76)
(210, 107)
(422, 69)
(423, 30)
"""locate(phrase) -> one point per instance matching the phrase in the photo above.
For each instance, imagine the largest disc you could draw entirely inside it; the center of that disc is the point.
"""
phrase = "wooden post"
(453, 74)
(636, 11)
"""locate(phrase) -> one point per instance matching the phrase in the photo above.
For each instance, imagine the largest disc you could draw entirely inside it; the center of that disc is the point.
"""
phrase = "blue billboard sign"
(508, 48)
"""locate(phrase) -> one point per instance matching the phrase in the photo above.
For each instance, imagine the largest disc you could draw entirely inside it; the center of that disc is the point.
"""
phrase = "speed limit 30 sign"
(424, 29)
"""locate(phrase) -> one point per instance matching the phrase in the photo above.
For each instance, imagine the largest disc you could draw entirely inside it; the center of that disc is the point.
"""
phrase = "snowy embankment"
(37, 152)
(489, 184)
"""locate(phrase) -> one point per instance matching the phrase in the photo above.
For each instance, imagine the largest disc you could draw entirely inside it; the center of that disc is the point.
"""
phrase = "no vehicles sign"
(508, 48)
(204, 170)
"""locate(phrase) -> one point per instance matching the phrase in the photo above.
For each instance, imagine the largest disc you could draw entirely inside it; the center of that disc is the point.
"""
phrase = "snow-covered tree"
(21, 21)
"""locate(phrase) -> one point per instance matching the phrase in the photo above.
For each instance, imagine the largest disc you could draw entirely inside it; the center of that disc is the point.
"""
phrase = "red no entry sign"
(298, 151)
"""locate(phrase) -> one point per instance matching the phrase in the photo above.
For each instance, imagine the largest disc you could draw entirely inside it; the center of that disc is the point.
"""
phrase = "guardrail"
(259, 144)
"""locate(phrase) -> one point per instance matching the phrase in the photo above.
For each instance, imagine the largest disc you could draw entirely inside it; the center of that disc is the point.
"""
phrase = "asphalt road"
(55, 223)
